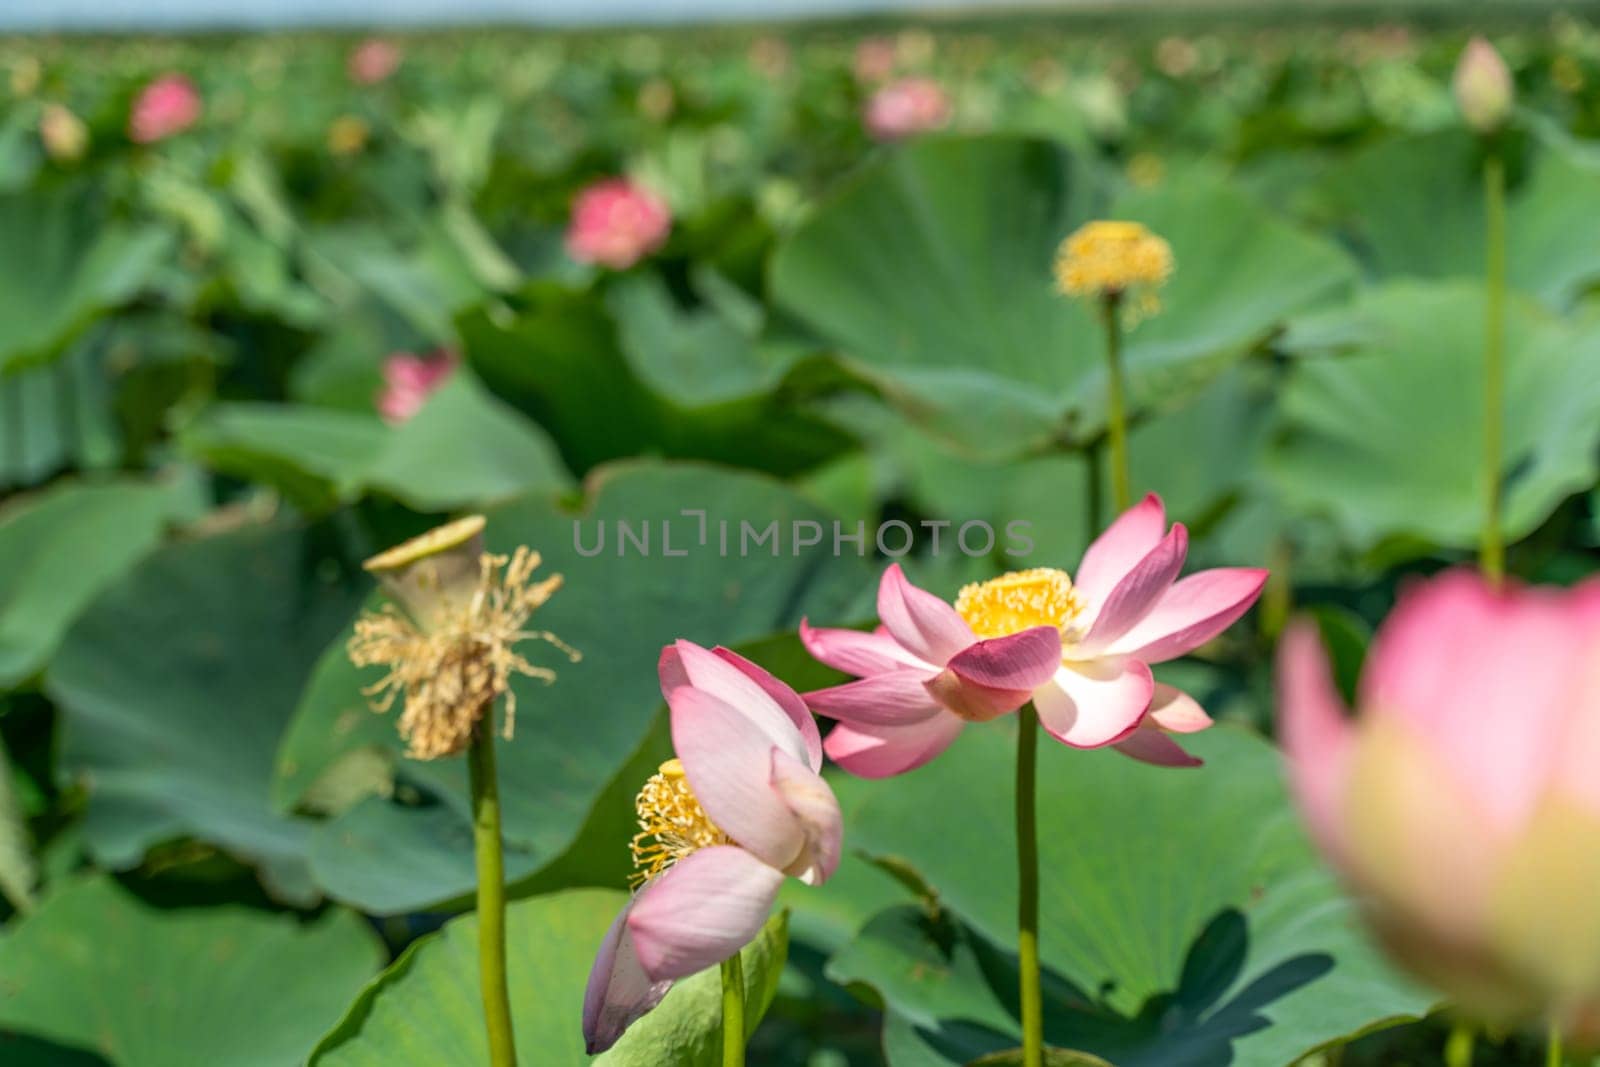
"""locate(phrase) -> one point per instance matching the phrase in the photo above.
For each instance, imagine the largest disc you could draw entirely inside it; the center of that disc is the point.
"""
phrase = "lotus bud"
(1483, 87)
(64, 134)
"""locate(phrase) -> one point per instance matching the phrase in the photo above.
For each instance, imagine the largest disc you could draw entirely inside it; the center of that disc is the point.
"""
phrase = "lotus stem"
(733, 1011)
(491, 895)
(1553, 1056)
(1458, 1048)
(1116, 389)
(1032, 1006)
(1492, 553)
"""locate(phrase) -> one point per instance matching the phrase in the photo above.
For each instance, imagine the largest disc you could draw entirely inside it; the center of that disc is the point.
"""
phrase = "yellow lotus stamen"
(1113, 259)
(1021, 600)
(672, 824)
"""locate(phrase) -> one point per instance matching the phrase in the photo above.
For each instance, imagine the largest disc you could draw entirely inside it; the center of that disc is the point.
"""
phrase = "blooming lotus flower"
(741, 808)
(1080, 651)
(167, 106)
(372, 61)
(408, 381)
(906, 107)
(616, 223)
(1464, 803)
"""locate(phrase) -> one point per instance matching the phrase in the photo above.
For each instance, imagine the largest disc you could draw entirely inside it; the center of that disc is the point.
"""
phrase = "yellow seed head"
(672, 824)
(1109, 259)
(1021, 600)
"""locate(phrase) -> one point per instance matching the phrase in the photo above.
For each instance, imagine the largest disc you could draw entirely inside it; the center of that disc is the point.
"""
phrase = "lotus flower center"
(1020, 601)
(672, 824)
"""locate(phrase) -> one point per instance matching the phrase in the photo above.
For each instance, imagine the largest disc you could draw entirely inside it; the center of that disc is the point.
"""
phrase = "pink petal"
(1018, 661)
(686, 663)
(1149, 745)
(1316, 737)
(1124, 543)
(1192, 612)
(894, 699)
(971, 701)
(817, 810)
(708, 906)
(871, 750)
(1176, 711)
(728, 761)
(857, 653)
(785, 697)
(619, 992)
(1138, 591)
(1095, 703)
(924, 625)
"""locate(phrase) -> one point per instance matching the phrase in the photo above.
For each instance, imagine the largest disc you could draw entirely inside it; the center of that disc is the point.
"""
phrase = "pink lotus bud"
(906, 107)
(64, 134)
(616, 223)
(408, 381)
(1483, 87)
(1463, 804)
(167, 106)
(372, 61)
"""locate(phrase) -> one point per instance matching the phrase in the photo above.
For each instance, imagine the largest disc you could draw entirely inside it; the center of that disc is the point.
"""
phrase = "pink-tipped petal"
(728, 761)
(924, 625)
(1316, 736)
(1177, 712)
(1131, 599)
(1149, 745)
(619, 992)
(894, 699)
(1018, 661)
(971, 701)
(1123, 544)
(869, 750)
(1087, 705)
(686, 663)
(785, 697)
(1193, 611)
(708, 906)
(854, 652)
(816, 808)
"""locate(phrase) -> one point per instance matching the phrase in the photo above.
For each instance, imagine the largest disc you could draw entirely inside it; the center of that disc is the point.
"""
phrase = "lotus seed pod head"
(434, 576)
(1483, 88)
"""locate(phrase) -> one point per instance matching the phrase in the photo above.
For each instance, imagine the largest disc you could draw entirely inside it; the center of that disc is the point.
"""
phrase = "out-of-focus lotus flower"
(657, 100)
(26, 73)
(769, 56)
(347, 135)
(1464, 805)
(408, 381)
(616, 223)
(1081, 652)
(740, 808)
(1483, 87)
(1176, 57)
(875, 60)
(64, 134)
(373, 61)
(167, 106)
(906, 107)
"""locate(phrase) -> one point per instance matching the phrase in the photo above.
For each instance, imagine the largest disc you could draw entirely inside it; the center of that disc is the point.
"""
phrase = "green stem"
(1458, 1049)
(1552, 1056)
(1492, 554)
(1116, 403)
(1032, 1008)
(491, 896)
(733, 1011)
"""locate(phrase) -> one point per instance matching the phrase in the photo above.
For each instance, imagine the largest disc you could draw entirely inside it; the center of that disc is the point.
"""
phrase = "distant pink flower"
(1081, 652)
(1464, 802)
(740, 808)
(875, 60)
(906, 107)
(616, 223)
(167, 106)
(372, 61)
(408, 381)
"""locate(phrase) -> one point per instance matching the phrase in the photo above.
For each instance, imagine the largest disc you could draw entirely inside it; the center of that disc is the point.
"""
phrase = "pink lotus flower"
(372, 61)
(1464, 804)
(1081, 652)
(616, 223)
(875, 60)
(906, 107)
(740, 809)
(408, 381)
(167, 106)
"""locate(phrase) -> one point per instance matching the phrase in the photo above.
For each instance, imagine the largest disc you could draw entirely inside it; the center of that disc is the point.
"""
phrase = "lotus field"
(1014, 543)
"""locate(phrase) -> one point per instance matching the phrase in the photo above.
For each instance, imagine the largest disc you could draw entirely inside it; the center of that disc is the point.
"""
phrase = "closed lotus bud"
(65, 136)
(1483, 87)
(1463, 804)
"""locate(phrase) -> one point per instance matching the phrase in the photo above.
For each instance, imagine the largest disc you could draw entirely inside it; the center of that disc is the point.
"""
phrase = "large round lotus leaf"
(1387, 437)
(175, 685)
(619, 606)
(97, 976)
(425, 1009)
(1414, 207)
(931, 272)
(1184, 917)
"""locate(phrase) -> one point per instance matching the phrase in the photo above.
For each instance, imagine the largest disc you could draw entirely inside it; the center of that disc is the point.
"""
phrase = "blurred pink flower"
(740, 808)
(875, 60)
(408, 381)
(908, 106)
(1080, 651)
(372, 61)
(616, 223)
(168, 105)
(1464, 803)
